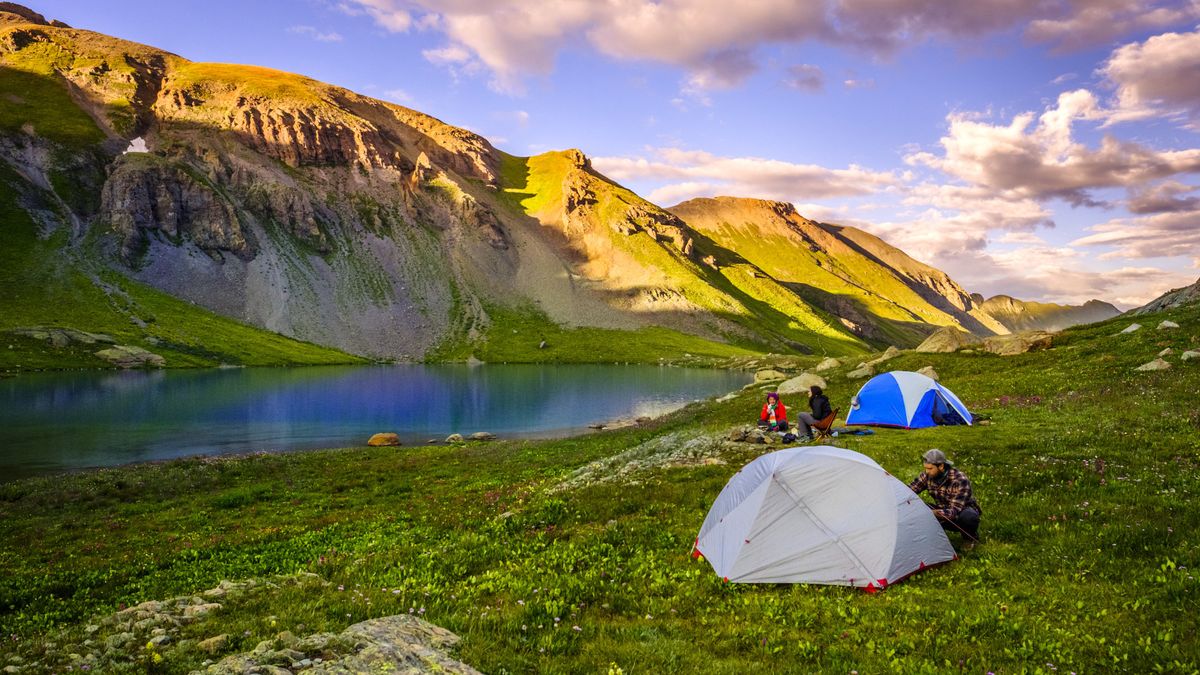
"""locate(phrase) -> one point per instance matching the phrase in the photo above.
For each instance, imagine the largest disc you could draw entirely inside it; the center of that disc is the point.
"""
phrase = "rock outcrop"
(1171, 299)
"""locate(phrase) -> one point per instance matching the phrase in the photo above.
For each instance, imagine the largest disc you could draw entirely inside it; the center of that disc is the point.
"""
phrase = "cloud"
(398, 96)
(1157, 236)
(867, 83)
(1164, 198)
(1158, 76)
(313, 33)
(1085, 23)
(1044, 161)
(805, 77)
(693, 173)
(717, 48)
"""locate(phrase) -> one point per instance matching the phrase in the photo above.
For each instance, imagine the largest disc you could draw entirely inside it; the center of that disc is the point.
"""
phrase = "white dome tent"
(820, 515)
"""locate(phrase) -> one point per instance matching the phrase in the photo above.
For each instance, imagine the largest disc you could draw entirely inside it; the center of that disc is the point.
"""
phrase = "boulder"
(454, 438)
(1190, 355)
(482, 436)
(801, 383)
(929, 372)
(828, 364)
(1132, 328)
(1165, 352)
(947, 339)
(865, 371)
(124, 356)
(1167, 324)
(769, 375)
(891, 353)
(384, 439)
(1156, 364)
(1018, 343)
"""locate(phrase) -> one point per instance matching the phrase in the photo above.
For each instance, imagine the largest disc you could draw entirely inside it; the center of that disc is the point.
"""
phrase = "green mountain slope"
(876, 289)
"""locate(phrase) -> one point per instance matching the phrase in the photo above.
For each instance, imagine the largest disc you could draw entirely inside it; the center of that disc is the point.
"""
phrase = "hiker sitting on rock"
(774, 414)
(819, 402)
(954, 504)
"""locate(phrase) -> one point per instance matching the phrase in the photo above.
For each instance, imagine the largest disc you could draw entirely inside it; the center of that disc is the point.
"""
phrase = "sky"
(1044, 149)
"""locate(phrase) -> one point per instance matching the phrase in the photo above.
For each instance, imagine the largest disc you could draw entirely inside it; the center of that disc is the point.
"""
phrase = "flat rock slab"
(125, 356)
(1018, 343)
(1156, 364)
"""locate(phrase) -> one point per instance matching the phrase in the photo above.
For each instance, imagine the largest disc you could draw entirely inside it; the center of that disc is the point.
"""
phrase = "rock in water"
(801, 383)
(947, 339)
(1167, 324)
(929, 372)
(483, 436)
(1133, 327)
(1156, 364)
(454, 438)
(384, 439)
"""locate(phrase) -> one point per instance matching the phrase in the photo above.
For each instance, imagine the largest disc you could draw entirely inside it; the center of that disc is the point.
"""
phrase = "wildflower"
(396, 592)
(521, 602)
(576, 628)
(421, 611)
(341, 587)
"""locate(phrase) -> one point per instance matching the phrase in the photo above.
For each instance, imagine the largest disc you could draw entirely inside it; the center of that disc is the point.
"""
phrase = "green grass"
(1087, 477)
(516, 333)
(41, 102)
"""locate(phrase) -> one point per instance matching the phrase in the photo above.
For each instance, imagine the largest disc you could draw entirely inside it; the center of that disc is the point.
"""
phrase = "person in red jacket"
(774, 414)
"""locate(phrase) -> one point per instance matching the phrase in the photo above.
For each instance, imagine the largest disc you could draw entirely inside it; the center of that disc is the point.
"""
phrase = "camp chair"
(820, 430)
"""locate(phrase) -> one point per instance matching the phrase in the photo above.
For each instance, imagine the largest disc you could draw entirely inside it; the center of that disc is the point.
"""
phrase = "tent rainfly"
(908, 400)
(820, 515)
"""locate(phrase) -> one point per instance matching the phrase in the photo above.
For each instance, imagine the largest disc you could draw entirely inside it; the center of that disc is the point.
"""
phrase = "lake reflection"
(61, 421)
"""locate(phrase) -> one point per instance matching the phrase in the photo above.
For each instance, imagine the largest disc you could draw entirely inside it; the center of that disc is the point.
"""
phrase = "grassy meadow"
(1086, 474)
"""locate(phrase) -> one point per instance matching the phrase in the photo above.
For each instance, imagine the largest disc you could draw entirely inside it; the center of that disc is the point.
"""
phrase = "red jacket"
(780, 412)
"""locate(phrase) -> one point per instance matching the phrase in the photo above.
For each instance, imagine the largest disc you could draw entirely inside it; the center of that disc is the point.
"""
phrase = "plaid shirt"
(951, 491)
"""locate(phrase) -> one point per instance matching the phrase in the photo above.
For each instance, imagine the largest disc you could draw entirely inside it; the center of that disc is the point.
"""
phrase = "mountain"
(1018, 315)
(1172, 299)
(296, 208)
(875, 289)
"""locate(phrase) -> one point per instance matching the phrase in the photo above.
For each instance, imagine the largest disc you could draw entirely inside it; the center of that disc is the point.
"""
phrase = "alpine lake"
(64, 421)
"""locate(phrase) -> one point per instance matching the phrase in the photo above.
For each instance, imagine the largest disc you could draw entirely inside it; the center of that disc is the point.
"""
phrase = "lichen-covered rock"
(454, 438)
(860, 373)
(401, 643)
(1156, 364)
(1165, 325)
(769, 375)
(828, 364)
(126, 356)
(383, 440)
(946, 339)
(483, 436)
(1189, 355)
(801, 383)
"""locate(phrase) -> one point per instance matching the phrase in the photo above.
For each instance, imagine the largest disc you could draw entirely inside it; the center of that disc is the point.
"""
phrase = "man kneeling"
(954, 504)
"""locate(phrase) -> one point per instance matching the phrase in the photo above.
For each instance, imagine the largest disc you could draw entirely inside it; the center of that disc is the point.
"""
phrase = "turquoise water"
(64, 421)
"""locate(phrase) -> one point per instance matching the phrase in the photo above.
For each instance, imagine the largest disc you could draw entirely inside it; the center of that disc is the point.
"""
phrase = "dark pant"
(805, 421)
(781, 425)
(967, 522)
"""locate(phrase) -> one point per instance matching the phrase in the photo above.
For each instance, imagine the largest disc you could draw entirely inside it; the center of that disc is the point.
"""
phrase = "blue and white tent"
(908, 400)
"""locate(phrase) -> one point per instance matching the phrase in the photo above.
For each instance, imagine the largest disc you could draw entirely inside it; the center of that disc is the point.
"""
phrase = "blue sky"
(1047, 149)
